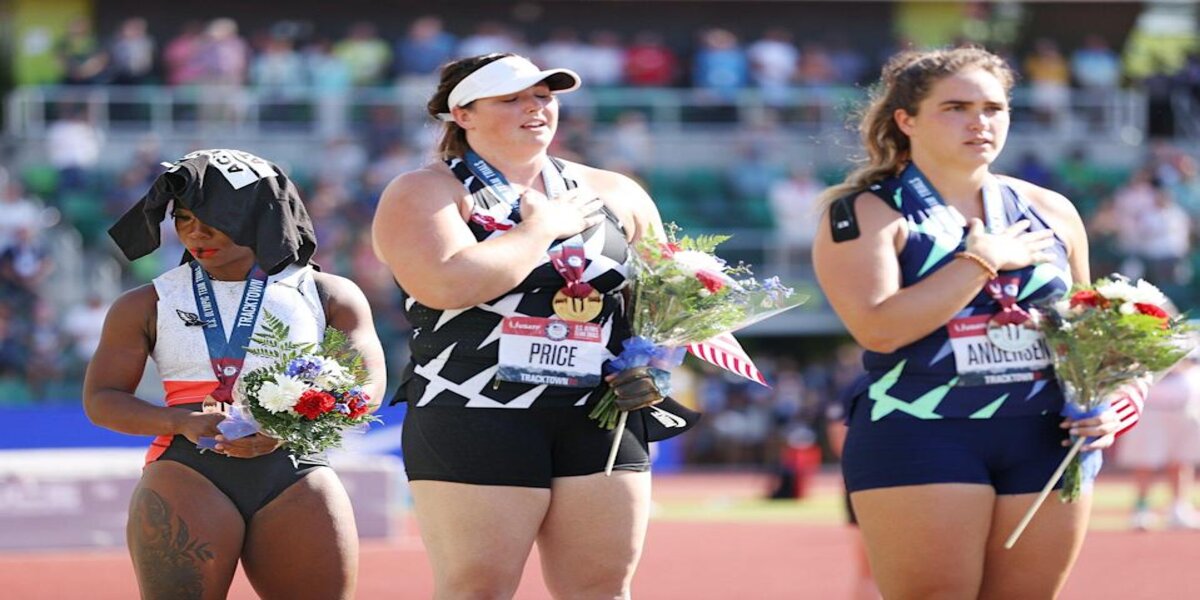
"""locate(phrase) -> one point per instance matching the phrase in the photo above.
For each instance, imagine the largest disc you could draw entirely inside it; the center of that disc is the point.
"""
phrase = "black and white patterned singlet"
(455, 352)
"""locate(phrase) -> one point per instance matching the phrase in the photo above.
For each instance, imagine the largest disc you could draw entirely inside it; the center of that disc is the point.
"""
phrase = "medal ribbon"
(995, 219)
(228, 355)
(498, 185)
(1010, 312)
(569, 260)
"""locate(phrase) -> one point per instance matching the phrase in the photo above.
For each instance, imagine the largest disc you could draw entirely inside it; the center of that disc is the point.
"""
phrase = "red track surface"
(686, 560)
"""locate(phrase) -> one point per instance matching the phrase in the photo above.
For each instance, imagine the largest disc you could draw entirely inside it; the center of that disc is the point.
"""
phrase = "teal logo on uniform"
(885, 404)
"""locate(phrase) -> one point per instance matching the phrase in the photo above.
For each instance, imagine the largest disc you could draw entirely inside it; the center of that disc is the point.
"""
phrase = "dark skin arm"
(116, 369)
(346, 308)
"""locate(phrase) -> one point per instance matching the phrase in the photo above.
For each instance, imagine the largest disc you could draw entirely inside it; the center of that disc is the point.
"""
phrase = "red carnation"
(1150, 309)
(1089, 298)
(711, 282)
(669, 249)
(358, 407)
(314, 403)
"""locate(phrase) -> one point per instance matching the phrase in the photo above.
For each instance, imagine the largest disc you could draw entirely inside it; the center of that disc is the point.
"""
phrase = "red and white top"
(180, 351)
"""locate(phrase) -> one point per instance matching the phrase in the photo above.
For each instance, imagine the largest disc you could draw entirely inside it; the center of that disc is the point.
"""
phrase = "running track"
(686, 559)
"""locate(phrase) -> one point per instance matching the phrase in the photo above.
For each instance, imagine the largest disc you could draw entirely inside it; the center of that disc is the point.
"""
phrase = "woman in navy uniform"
(196, 513)
(931, 261)
(513, 264)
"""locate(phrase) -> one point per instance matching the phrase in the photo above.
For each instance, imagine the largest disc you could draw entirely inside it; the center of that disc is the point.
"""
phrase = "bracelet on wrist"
(980, 261)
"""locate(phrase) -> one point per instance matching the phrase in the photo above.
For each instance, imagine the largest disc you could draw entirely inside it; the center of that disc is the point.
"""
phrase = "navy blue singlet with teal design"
(956, 372)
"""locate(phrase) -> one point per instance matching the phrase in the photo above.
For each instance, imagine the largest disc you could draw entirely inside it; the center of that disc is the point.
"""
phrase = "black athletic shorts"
(519, 447)
(251, 483)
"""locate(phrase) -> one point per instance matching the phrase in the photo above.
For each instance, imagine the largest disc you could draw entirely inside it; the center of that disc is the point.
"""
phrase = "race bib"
(989, 352)
(539, 351)
(239, 168)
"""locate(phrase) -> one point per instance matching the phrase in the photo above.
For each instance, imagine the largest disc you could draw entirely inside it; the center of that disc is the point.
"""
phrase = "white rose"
(281, 394)
(1066, 326)
(333, 375)
(1117, 291)
(1146, 293)
(691, 262)
(1127, 308)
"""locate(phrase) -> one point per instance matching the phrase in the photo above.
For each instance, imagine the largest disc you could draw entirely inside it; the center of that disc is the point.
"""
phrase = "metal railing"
(167, 111)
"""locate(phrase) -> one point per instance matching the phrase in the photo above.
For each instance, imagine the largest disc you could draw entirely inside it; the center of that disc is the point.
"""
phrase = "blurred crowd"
(1141, 220)
(289, 55)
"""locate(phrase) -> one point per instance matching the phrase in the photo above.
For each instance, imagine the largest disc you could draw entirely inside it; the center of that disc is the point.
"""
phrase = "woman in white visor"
(512, 264)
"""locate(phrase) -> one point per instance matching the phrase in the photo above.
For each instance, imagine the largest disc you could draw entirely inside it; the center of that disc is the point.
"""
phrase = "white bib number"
(538, 351)
(987, 353)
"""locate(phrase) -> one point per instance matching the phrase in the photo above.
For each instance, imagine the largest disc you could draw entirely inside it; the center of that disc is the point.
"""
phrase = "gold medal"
(580, 310)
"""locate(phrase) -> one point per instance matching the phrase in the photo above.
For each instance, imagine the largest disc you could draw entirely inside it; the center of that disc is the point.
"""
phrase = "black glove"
(639, 387)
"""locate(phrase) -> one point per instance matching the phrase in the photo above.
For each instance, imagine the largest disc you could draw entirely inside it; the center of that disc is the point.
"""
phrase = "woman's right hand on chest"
(1013, 248)
(195, 425)
(564, 216)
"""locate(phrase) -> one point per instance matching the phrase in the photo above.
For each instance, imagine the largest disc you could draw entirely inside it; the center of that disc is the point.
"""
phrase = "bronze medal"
(212, 405)
(580, 310)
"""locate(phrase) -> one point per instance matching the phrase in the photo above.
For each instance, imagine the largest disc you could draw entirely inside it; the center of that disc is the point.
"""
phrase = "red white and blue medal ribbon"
(228, 355)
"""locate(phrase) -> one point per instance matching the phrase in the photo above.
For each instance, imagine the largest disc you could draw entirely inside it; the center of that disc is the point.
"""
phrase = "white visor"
(508, 75)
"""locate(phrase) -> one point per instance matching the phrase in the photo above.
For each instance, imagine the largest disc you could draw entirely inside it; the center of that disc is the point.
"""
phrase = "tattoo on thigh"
(167, 555)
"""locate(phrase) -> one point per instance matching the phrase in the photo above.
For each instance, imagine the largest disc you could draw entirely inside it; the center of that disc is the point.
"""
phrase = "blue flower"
(305, 367)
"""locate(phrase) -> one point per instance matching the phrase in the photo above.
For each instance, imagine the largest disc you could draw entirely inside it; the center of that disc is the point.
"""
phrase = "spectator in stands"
(84, 61)
(24, 265)
(82, 326)
(1167, 440)
(423, 49)
(649, 62)
(1163, 233)
(330, 81)
(931, 460)
(774, 63)
(1081, 180)
(565, 48)
(535, 471)
(183, 55)
(46, 362)
(132, 53)
(224, 59)
(750, 176)
(73, 147)
(488, 37)
(1130, 201)
(719, 66)
(225, 56)
(849, 64)
(1186, 187)
(17, 211)
(603, 59)
(1094, 65)
(630, 141)
(195, 514)
(366, 54)
(1049, 81)
(793, 202)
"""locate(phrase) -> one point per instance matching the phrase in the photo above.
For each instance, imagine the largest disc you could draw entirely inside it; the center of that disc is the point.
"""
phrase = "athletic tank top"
(180, 351)
(455, 352)
(923, 380)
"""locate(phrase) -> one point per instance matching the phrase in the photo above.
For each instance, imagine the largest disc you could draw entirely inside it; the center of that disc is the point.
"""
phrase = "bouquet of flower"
(683, 294)
(1102, 337)
(308, 395)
